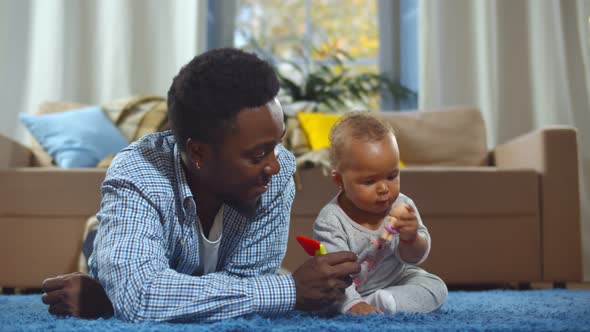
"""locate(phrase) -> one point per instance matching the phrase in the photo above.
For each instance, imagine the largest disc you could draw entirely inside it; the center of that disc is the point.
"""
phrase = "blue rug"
(497, 310)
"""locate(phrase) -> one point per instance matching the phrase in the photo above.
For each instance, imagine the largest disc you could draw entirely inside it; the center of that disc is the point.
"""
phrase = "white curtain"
(91, 51)
(525, 63)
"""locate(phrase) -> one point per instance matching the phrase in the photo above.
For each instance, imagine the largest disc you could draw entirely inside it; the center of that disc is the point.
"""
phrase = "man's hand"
(363, 308)
(321, 280)
(77, 295)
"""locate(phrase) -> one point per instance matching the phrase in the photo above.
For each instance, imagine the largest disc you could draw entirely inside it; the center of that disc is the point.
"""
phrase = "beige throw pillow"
(449, 137)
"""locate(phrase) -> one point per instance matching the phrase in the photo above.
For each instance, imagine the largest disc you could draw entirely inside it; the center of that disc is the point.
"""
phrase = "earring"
(197, 165)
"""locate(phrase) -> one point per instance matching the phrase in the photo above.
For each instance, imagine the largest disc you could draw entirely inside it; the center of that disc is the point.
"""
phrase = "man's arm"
(131, 265)
(317, 283)
(261, 243)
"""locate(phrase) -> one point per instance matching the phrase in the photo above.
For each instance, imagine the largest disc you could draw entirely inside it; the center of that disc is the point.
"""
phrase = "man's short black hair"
(212, 88)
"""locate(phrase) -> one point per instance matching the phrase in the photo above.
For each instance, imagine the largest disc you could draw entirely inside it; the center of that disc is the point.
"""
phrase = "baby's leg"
(417, 291)
(383, 300)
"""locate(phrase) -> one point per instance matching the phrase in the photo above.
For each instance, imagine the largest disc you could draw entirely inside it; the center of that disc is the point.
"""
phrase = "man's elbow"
(128, 308)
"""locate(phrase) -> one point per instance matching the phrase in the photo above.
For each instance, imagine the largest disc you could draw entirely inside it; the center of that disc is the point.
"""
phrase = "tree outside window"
(300, 31)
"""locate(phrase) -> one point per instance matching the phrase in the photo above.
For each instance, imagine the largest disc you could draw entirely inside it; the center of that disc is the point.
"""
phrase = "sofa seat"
(484, 218)
(484, 222)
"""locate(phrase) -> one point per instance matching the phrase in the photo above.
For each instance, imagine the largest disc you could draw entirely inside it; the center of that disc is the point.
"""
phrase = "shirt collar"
(186, 195)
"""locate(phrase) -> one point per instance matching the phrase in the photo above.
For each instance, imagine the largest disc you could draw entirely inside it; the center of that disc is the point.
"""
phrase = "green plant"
(330, 82)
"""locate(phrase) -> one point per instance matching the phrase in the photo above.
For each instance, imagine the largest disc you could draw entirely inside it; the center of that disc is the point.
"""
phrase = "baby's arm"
(414, 241)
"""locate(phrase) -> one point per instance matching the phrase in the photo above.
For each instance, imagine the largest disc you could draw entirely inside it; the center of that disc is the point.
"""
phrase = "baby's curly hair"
(361, 125)
(212, 88)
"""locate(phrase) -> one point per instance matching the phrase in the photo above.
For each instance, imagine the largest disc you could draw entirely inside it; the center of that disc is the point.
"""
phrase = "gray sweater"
(380, 268)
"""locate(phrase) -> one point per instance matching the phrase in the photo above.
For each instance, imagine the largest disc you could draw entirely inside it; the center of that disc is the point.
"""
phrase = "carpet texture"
(497, 310)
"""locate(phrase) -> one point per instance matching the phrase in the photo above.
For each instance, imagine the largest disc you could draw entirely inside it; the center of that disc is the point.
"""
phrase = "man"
(194, 221)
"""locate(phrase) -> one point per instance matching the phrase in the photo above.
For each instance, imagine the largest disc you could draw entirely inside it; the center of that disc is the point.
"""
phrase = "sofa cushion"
(317, 127)
(40, 156)
(446, 137)
(78, 138)
(136, 116)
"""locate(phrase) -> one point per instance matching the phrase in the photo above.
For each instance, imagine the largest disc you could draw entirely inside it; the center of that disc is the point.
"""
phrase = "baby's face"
(370, 174)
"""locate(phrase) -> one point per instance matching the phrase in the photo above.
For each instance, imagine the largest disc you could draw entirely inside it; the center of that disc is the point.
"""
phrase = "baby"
(370, 217)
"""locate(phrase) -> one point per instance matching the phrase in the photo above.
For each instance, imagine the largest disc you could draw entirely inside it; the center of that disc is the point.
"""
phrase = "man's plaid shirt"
(147, 246)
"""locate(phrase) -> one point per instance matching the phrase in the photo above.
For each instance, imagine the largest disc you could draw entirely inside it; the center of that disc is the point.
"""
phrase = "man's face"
(240, 170)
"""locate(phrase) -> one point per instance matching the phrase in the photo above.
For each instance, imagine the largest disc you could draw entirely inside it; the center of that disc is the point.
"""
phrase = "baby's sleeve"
(328, 229)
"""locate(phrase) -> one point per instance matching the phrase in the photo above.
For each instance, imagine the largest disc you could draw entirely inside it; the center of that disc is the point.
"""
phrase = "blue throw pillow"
(77, 138)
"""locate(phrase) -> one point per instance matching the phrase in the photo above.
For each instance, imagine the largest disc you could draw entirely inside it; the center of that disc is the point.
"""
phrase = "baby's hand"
(363, 308)
(389, 229)
(405, 221)
(401, 211)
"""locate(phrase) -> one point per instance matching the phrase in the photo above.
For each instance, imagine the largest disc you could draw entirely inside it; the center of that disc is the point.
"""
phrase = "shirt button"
(188, 203)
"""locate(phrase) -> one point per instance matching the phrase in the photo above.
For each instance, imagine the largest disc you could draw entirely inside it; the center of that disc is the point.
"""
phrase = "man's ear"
(197, 152)
(337, 178)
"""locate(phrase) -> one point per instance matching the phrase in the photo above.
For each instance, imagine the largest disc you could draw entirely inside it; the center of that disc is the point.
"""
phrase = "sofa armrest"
(13, 154)
(43, 212)
(50, 191)
(553, 153)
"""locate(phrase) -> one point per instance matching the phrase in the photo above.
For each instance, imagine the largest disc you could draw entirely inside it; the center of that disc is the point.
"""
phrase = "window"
(284, 26)
(409, 49)
(308, 30)
(295, 30)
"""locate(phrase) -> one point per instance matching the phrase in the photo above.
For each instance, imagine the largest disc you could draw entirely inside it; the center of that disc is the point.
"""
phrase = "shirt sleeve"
(131, 264)
(261, 249)
(329, 231)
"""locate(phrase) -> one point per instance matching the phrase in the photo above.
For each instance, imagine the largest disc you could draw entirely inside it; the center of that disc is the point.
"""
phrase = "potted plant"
(327, 82)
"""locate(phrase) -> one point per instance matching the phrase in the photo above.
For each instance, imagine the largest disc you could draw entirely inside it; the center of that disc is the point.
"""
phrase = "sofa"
(507, 215)
(511, 214)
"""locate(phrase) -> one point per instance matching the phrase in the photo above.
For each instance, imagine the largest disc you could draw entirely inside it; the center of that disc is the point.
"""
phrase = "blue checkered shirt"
(147, 247)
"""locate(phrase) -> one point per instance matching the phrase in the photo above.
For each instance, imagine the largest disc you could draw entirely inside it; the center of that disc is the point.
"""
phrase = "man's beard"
(247, 209)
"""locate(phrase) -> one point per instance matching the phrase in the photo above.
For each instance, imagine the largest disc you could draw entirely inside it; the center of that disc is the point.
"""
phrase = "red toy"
(311, 246)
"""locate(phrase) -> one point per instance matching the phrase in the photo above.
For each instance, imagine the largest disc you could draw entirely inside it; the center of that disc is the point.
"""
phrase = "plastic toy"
(311, 246)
